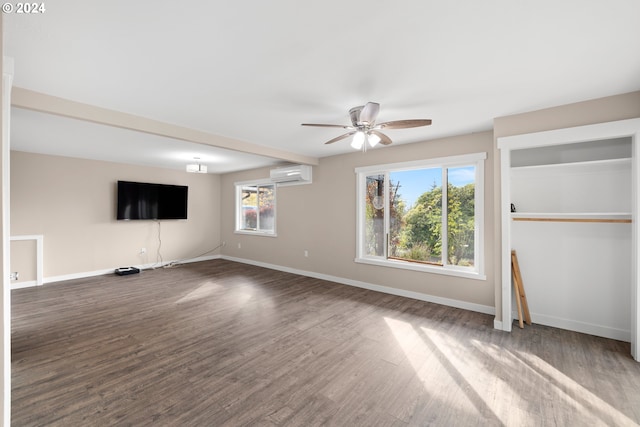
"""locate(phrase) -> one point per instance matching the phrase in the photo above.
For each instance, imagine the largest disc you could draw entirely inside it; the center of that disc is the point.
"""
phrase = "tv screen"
(140, 200)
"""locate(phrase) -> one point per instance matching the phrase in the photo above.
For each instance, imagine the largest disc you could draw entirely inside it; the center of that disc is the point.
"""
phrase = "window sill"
(256, 233)
(467, 274)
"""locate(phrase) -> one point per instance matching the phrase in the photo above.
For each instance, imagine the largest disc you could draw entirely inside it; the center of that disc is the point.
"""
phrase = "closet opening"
(574, 193)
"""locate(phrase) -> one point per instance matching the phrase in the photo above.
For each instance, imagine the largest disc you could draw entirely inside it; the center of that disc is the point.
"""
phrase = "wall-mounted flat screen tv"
(140, 200)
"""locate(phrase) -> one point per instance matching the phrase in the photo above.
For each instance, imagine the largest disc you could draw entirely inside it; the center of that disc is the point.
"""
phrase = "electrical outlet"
(224, 244)
(306, 253)
(13, 275)
(239, 245)
(143, 251)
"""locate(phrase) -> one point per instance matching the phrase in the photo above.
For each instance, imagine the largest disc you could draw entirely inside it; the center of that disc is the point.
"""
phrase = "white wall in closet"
(572, 233)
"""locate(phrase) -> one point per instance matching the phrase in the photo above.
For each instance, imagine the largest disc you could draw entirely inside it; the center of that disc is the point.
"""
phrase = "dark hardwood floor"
(219, 343)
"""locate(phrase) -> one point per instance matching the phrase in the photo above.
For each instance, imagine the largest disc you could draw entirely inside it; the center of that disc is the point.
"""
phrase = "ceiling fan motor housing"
(354, 113)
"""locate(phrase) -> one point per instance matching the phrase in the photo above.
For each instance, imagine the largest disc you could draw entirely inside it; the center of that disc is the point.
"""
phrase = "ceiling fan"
(364, 128)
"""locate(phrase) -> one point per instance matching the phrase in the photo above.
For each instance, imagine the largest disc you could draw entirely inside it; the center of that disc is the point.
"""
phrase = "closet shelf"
(589, 164)
(609, 217)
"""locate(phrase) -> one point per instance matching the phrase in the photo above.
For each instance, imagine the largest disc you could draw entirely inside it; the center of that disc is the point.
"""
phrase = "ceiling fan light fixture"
(373, 139)
(358, 140)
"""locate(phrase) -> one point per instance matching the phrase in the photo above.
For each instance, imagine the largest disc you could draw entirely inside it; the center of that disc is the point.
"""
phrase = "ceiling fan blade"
(327, 126)
(384, 139)
(403, 124)
(338, 138)
(369, 113)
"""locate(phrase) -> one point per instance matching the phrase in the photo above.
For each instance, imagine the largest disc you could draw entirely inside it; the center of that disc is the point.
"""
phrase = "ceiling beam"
(37, 101)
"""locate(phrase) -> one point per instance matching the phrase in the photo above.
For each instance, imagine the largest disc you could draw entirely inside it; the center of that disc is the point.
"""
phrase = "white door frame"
(601, 131)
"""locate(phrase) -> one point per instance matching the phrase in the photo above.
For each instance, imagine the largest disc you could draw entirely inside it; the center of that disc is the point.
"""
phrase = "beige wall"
(72, 203)
(602, 110)
(321, 218)
(23, 255)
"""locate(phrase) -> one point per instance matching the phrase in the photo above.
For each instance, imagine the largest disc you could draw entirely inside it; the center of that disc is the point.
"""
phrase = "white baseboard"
(84, 274)
(81, 275)
(198, 259)
(378, 288)
(572, 325)
(22, 285)
(582, 327)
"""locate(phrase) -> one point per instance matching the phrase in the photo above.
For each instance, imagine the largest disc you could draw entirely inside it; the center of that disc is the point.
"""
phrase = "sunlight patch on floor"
(574, 393)
(204, 290)
(484, 386)
(443, 368)
(552, 387)
(497, 384)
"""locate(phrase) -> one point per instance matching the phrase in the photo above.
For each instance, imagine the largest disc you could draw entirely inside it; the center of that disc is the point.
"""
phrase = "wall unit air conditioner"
(291, 175)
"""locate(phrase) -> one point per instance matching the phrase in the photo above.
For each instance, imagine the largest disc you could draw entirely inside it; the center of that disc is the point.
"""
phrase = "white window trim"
(238, 216)
(444, 162)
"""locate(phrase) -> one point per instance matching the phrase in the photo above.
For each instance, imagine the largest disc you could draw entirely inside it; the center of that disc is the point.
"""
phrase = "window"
(423, 215)
(256, 208)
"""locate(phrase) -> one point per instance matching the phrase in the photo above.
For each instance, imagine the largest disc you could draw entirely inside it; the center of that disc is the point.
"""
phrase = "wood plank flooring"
(219, 343)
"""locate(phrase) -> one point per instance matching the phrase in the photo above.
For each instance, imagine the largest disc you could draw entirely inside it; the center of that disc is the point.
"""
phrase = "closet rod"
(611, 220)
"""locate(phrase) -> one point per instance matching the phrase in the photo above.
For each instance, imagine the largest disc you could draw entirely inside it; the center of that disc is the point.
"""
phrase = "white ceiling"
(50, 134)
(254, 70)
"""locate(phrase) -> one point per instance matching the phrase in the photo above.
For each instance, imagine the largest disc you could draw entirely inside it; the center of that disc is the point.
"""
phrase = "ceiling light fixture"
(197, 168)
(361, 139)
(358, 140)
(373, 139)
(364, 128)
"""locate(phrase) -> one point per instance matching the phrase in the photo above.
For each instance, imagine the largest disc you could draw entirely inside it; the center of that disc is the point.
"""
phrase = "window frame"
(473, 159)
(238, 201)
